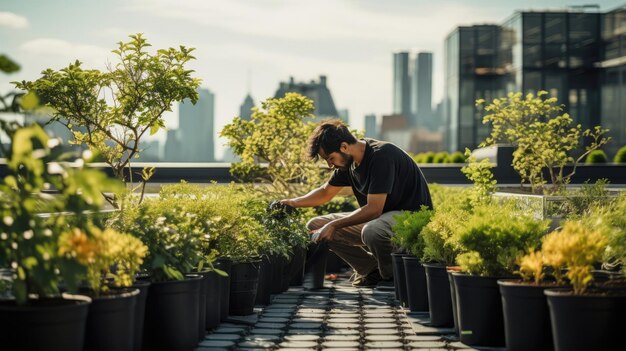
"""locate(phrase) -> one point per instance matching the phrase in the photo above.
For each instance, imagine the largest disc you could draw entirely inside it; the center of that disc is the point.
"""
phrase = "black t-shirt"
(386, 169)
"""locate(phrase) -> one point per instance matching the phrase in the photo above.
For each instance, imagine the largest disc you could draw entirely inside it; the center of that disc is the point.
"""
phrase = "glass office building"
(577, 56)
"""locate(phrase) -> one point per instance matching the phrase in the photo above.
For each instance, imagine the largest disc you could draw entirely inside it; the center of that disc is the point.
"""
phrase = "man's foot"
(367, 281)
(385, 285)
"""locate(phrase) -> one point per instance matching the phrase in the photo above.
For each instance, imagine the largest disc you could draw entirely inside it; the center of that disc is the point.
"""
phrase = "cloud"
(314, 20)
(11, 20)
(57, 49)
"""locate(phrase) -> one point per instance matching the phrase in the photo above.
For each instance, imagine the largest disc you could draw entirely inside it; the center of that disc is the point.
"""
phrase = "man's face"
(338, 160)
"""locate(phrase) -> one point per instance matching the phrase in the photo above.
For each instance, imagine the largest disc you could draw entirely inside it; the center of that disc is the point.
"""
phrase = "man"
(384, 179)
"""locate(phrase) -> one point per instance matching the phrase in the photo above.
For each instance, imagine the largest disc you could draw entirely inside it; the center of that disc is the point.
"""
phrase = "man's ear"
(343, 147)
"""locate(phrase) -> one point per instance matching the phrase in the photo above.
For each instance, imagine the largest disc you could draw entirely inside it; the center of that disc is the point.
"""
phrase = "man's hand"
(324, 233)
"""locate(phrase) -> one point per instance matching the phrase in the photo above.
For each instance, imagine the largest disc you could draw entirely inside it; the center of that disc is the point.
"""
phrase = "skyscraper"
(573, 54)
(245, 110)
(196, 128)
(421, 91)
(371, 127)
(401, 84)
(316, 91)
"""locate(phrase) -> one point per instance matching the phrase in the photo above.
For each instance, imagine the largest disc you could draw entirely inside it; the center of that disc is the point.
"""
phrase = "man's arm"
(372, 210)
(315, 197)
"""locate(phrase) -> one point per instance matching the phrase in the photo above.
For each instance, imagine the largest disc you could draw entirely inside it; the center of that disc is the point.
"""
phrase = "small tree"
(111, 111)
(543, 135)
(272, 145)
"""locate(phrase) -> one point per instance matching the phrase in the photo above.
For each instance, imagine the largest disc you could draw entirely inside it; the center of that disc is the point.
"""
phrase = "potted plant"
(111, 266)
(174, 239)
(38, 316)
(440, 251)
(493, 237)
(582, 318)
(407, 236)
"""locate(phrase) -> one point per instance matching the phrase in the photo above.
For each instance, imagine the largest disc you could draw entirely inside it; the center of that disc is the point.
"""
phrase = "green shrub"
(495, 236)
(441, 235)
(336, 205)
(428, 157)
(440, 157)
(610, 220)
(407, 230)
(620, 156)
(447, 198)
(596, 156)
(456, 157)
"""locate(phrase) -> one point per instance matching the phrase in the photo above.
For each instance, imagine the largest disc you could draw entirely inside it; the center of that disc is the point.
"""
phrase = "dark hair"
(328, 136)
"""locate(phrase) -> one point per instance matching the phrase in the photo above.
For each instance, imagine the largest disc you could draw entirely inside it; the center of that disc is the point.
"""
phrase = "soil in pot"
(479, 307)
(243, 285)
(592, 321)
(439, 298)
(111, 321)
(57, 322)
(526, 315)
(416, 290)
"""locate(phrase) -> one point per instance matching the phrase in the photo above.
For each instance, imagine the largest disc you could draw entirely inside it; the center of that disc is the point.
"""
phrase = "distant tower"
(318, 92)
(371, 127)
(245, 110)
(196, 128)
(401, 84)
(421, 90)
(172, 149)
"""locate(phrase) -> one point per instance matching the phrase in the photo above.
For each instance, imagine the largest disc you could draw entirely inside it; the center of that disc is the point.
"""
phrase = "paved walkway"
(339, 318)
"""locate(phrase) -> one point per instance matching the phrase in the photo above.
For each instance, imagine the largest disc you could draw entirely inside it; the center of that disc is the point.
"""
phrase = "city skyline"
(348, 41)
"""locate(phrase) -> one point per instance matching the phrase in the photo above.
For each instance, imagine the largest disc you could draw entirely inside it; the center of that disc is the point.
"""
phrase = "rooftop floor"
(339, 317)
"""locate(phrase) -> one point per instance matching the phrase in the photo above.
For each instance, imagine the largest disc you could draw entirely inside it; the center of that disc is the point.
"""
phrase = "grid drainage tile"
(338, 317)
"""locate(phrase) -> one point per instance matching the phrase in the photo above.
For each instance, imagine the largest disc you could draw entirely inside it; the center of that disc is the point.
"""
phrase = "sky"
(249, 46)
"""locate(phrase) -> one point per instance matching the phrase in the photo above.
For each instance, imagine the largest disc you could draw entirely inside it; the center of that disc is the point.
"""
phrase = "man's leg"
(377, 234)
(347, 244)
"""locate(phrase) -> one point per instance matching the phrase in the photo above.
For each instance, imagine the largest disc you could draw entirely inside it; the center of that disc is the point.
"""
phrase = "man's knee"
(316, 223)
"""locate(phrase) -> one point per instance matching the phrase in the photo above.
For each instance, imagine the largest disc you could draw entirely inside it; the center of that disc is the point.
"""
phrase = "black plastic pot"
(202, 304)
(416, 290)
(455, 311)
(172, 311)
(140, 311)
(293, 275)
(224, 286)
(111, 321)
(399, 279)
(213, 300)
(243, 285)
(278, 264)
(44, 324)
(316, 263)
(526, 316)
(479, 305)
(263, 295)
(439, 298)
(594, 321)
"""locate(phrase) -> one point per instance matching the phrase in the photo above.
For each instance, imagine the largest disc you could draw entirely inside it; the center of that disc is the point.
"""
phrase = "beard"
(347, 161)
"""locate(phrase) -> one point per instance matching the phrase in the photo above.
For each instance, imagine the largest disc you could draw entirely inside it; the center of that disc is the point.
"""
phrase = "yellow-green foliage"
(272, 145)
(575, 247)
(531, 266)
(446, 198)
(479, 172)
(544, 136)
(99, 250)
(441, 235)
(495, 236)
(610, 219)
(407, 230)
